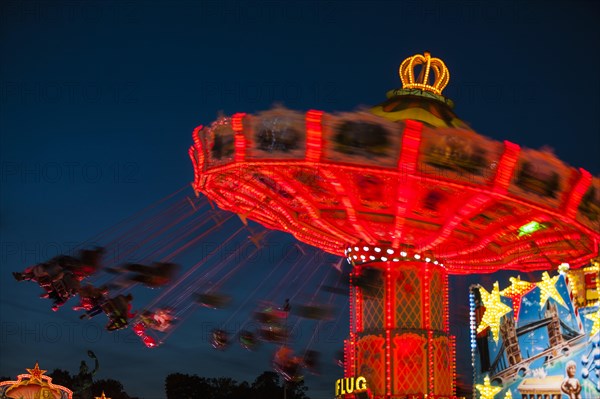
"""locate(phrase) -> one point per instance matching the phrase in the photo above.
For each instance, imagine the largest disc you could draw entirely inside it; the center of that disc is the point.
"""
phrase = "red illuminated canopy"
(334, 181)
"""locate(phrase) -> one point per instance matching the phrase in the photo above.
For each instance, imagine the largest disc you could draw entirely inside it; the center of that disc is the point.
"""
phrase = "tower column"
(399, 336)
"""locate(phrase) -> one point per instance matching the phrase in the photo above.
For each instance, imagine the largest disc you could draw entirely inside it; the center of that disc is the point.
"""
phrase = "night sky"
(98, 101)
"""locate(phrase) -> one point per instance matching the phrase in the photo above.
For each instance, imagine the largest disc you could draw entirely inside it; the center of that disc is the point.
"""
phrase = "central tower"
(399, 339)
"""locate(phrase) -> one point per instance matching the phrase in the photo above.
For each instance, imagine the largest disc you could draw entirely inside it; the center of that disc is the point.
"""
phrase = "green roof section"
(424, 106)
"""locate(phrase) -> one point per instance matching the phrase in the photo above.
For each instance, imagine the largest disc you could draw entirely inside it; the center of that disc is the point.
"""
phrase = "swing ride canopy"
(405, 179)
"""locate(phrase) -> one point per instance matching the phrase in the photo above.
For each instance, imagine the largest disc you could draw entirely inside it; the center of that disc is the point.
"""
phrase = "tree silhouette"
(266, 385)
(61, 377)
(112, 388)
(186, 386)
(242, 391)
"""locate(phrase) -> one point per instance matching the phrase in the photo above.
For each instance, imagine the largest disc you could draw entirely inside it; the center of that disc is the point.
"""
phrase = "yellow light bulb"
(494, 310)
(486, 390)
(516, 291)
(548, 290)
(595, 317)
(435, 65)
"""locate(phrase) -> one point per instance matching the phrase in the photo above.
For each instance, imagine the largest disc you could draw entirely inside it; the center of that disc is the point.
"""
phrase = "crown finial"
(431, 67)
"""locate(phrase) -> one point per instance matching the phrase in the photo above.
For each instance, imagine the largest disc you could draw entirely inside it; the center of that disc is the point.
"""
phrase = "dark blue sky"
(98, 101)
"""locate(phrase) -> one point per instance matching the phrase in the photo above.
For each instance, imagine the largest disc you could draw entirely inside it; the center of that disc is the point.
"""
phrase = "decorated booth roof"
(526, 336)
(34, 385)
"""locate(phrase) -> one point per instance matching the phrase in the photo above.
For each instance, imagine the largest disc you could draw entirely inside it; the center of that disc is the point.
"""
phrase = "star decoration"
(516, 291)
(595, 317)
(486, 390)
(494, 310)
(36, 373)
(548, 290)
(508, 395)
(101, 397)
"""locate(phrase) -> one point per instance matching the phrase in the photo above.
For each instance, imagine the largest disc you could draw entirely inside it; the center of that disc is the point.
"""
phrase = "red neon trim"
(196, 154)
(426, 296)
(506, 167)
(348, 353)
(359, 310)
(314, 135)
(407, 166)
(286, 217)
(524, 246)
(237, 122)
(338, 184)
(509, 225)
(196, 182)
(240, 140)
(389, 298)
(411, 140)
(388, 364)
(430, 353)
(311, 208)
(196, 138)
(352, 369)
(453, 362)
(346, 357)
(446, 312)
(472, 207)
(389, 325)
(337, 176)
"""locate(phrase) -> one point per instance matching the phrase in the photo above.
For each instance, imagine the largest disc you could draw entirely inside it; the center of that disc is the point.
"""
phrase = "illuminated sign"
(530, 228)
(345, 386)
(555, 338)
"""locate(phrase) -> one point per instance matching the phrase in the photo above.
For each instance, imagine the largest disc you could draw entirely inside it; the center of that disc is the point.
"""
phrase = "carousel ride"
(34, 385)
(408, 193)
